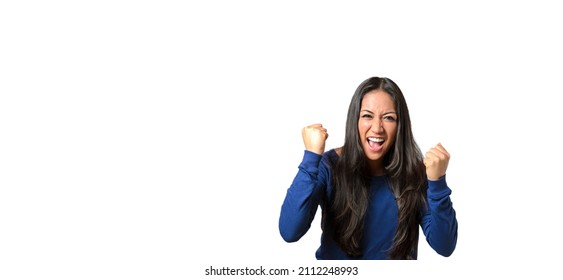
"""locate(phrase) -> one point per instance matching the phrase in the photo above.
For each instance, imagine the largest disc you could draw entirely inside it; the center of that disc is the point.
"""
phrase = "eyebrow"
(386, 113)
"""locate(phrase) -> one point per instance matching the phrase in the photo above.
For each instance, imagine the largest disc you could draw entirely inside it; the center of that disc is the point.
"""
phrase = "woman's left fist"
(436, 162)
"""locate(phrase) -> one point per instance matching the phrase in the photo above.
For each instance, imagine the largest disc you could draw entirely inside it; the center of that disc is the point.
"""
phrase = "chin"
(374, 157)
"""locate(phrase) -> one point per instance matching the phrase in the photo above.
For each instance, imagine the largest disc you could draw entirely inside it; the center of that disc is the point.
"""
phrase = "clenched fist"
(314, 138)
(436, 162)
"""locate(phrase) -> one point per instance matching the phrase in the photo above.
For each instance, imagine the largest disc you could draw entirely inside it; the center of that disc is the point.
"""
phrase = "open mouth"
(375, 142)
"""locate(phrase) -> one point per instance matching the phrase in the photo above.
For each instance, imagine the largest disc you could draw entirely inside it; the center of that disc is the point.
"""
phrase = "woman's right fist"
(314, 138)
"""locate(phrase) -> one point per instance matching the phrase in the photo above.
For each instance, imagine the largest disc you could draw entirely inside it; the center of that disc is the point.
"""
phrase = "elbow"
(289, 238)
(447, 249)
(289, 235)
(446, 253)
(290, 232)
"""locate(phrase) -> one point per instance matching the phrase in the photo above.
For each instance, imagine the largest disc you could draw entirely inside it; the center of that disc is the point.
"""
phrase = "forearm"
(302, 200)
(440, 222)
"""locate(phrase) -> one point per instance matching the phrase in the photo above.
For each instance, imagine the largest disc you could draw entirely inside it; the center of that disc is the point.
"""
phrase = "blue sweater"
(311, 187)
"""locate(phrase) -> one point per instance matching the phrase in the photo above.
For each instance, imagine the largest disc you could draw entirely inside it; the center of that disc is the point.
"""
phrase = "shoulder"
(332, 154)
(338, 151)
(330, 157)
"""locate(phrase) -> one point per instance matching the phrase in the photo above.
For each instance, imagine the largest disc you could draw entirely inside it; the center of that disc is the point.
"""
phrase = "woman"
(375, 190)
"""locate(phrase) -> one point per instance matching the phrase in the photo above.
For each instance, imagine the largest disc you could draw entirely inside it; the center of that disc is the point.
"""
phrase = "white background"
(155, 139)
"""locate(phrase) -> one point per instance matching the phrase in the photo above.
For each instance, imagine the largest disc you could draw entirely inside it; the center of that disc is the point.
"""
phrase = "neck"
(376, 168)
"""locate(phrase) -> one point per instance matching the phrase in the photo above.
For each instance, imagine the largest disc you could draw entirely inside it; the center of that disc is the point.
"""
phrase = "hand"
(314, 138)
(436, 162)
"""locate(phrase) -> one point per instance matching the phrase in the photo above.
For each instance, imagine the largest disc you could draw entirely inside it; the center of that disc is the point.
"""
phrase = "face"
(377, 125)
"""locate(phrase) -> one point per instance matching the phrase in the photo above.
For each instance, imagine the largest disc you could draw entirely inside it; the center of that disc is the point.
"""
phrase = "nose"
(377, 126)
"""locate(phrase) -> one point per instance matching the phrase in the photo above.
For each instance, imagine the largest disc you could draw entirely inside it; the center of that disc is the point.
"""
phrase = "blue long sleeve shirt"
(311, 187)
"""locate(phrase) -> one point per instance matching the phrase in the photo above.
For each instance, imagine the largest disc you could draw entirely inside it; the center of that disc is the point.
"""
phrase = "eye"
(390, 118)
(366, 116)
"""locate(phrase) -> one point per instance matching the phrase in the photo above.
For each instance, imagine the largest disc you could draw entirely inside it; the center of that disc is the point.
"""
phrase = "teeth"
(373, 139)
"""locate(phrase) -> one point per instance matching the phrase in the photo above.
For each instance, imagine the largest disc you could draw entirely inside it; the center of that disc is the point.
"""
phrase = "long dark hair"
(403, 166)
